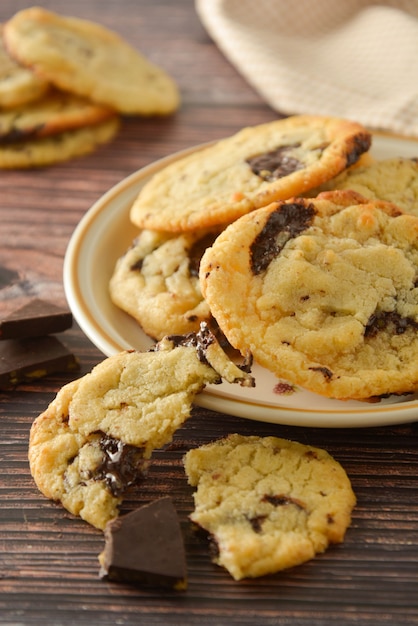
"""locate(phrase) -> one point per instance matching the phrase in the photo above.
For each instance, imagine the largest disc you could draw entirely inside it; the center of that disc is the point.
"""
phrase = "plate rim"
(370, 416)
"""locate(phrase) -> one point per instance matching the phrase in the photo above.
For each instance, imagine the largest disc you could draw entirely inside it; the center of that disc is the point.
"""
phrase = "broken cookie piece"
(129, 405)
(211, 353)
(268, 503)
(146, 547)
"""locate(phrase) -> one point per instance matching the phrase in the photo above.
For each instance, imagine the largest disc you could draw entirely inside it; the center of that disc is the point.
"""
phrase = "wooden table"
(48, 559)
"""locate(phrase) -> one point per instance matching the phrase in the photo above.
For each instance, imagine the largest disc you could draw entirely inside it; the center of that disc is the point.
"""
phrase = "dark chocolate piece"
(389, 320)
(275, 164)
(328, 375)
(257, 523)
(199, 340)
(137, 267)
(24, 360)
(123, 465)
(146, 547)
(18, 134)
(282, 500)
(35, 319)
(360, 143)
(282, 225)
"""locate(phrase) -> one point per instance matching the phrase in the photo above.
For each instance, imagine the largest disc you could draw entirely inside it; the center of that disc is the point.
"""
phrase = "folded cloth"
(348, 58)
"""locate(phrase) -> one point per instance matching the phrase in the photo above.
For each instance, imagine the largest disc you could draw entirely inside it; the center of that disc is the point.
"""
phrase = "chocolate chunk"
(360, 143)
(35, 319)
(389, 320)
(146, 547)
(327, 374)
(123, 465)
(275, 164)
(17, 134)
(282, 500)
(24, 360)
(137, 267)
(200, 340)
(257, 523)
(287, 222)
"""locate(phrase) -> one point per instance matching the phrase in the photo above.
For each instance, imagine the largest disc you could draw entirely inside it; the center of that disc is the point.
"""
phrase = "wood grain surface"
(48, 559)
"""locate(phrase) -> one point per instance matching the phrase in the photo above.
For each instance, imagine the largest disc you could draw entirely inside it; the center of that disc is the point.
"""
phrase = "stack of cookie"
(182, 210)
(319, 286)
(64, 82)
(268, 503)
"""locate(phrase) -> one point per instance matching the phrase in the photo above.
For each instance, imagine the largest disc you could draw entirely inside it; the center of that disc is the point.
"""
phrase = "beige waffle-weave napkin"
(346, 58)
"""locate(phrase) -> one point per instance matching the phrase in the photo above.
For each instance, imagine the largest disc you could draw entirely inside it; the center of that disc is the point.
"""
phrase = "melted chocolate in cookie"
(287, 222)
(282, 500)
(200, 341)
(257, 523)
(17, 134)
(276, 163)
(327, 374)
(389, 320)
(361, 143)
(275, 500)
(123, 465)
(137, 266)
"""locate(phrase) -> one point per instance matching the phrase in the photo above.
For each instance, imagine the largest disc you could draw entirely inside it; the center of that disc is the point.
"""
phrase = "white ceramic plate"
(105, 233)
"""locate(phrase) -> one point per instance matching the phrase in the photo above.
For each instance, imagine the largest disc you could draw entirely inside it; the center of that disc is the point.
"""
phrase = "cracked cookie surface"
(96, 437)
(268, 503)
(236, 175)
(323, 292)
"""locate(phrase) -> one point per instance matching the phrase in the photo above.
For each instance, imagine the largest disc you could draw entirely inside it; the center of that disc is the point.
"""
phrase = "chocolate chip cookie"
(323, 292)
(259, 164)
(95, 439)
(87, 59)
(268, 503)
(157, 281)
